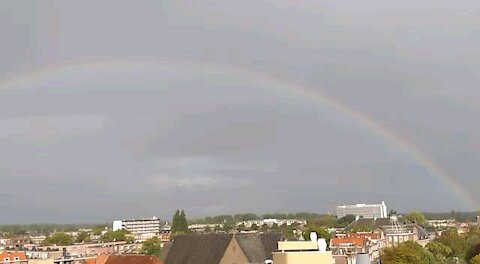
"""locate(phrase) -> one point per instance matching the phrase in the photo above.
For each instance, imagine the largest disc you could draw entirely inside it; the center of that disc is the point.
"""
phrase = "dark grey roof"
(422, 233)
(258, 247)
(198, 249)
(165, 250)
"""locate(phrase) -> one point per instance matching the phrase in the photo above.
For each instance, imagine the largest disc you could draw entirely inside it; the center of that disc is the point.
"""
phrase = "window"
(16, 258)
(6, 259)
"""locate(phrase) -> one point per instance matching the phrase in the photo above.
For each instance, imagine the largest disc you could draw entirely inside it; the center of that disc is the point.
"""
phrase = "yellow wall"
(40, 261)
(305, 257)
(234, 254)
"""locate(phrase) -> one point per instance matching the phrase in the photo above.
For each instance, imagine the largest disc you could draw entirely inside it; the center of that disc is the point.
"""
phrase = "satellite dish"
(313, 236)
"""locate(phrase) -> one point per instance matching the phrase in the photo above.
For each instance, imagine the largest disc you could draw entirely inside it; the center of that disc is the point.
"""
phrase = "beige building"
(301, 252)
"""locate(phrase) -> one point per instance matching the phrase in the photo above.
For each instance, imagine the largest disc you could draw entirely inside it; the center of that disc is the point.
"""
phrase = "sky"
(123, 109)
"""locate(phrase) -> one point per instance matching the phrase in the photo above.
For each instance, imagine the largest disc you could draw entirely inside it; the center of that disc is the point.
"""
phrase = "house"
(349, 246)
(394, 231)
(302, 252)
(222, 248)
(13, 257)
(126, 259)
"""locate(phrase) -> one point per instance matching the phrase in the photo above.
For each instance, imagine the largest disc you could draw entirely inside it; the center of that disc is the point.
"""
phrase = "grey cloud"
(106, 142)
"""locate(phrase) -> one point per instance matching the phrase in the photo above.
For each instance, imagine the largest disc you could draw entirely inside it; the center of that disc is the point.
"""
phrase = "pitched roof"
(127, 259)
(357, 241)
(165, 250)
(258, 247)
(198, 249)
(12, 255)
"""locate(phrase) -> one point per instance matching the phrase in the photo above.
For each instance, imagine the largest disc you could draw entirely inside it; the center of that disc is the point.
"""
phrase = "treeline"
(45, 228)
(459, 216)
(219, 219)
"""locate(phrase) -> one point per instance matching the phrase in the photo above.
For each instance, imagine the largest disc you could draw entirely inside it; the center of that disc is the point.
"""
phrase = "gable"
(234, 254)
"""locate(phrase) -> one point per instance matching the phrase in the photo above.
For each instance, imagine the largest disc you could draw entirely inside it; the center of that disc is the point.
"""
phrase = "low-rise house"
(350, 245)
(222, 248)
(13, 257)
(302, 252)
(392, 230)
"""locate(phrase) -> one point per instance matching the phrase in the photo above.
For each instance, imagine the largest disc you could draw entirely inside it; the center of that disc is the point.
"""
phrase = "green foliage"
(439, 251)
(83, 237)
(416, 217)
(345, 221)
(254, 227)
(325, 221)
(472, 252)
(179, 223)
(321, 232)
(152, 247)
(113, 236)
(361, 228)
(245, 217)
(407, 253)
(59, 239)
(475, 260)
(454, 241)
(97, 230)
(15, 230)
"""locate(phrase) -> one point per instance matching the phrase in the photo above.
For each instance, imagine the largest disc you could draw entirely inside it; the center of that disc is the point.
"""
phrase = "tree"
(416, 217)
(254, 227)
(321, 233)
(119, 235)
(454, 241)
(473, 252)
(325, 221)
(407, 253)
(151, 246)
(83, 237)
(361, 228)
(439, 251)
(346, 220)
(59, 239)
(179, 223)
(475, 260)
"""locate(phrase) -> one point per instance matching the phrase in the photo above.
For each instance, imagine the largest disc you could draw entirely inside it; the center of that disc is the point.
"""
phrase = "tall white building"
(138, 227)
(363, 210)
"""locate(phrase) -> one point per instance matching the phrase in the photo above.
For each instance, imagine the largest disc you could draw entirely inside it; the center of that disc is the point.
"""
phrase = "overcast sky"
(157, 105)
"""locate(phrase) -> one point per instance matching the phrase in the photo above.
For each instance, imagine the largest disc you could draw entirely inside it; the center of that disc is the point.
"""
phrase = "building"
(363, 210)
(347, 247)
(85, 250)
(124, 259)
(222, 248)
(141, 229)
(442, 224)
(13, 257)
(271, 222)
(301, 252)
(37, 240)
(393, 231)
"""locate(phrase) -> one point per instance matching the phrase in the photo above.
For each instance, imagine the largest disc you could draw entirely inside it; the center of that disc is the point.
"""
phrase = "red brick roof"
(11, 255)
(357, 241)
(127, 259)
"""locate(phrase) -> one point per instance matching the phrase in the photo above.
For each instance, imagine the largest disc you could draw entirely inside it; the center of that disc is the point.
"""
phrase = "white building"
(270, 222)
(363, 210)
(139, 227)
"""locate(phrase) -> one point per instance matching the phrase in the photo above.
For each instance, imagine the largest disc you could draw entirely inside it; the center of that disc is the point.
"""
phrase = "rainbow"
(291, 88)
